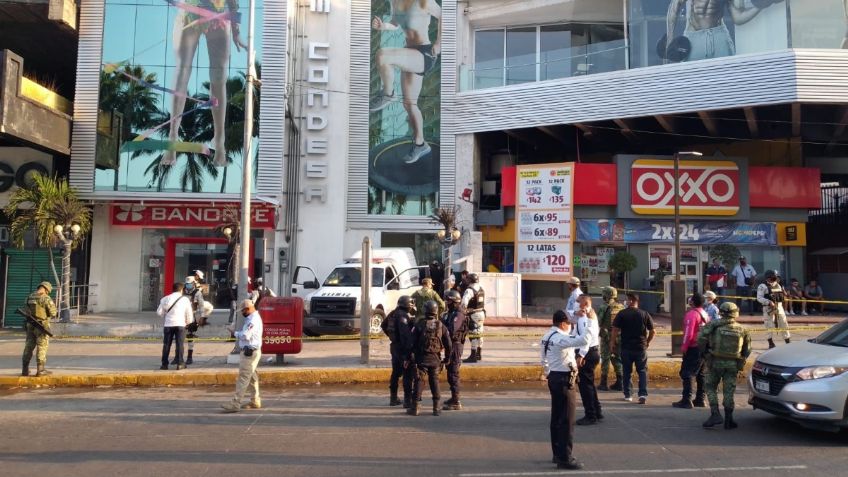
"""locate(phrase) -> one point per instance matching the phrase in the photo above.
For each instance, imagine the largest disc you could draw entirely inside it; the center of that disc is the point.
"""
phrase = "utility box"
(282, 321)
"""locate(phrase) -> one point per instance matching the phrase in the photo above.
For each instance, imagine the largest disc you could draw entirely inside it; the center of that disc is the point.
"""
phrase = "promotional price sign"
(544, 206)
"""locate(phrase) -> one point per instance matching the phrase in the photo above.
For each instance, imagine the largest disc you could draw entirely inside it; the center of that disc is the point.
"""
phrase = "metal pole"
(247, 157)
(365, 306)
(677, 216)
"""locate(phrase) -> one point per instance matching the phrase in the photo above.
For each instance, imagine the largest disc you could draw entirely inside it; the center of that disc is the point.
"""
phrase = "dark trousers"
(409, 374)
(431, 373)
(692, 367)
(640, 359)
(563, 410)
(172, 333)
(397, 369)
(588, 393)
(454, 365)
(744, 292)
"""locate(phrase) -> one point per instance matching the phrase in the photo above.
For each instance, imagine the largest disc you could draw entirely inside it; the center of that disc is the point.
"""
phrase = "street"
(313, 430)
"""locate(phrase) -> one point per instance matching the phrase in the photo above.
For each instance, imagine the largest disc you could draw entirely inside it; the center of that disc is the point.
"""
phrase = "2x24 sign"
(705, 187)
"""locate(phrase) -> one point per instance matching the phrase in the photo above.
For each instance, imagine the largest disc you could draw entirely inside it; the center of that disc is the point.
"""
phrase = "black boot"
(699, 402)
(406, 402)
(174, 361)
(683, 404)
(715, 417)
(189, 360)
(771, 343)
(603, 385)
(729, 423)
(480, 353)
(787, 340)
(42, 372)
(25, 370)
(616, 386)
(393, 400)
(437, 407)
(413, 408)
(472, 358)
(453, 403)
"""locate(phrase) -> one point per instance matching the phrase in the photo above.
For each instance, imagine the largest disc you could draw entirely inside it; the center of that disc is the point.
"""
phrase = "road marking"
(640, 471)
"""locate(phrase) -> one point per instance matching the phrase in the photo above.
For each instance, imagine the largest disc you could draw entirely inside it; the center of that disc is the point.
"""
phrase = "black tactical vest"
(478, 301)
(775, 293)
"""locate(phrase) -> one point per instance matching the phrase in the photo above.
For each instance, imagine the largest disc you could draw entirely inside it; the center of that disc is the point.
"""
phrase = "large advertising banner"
(706, 232)
(404, 107)
(544, 212)
(172, 95)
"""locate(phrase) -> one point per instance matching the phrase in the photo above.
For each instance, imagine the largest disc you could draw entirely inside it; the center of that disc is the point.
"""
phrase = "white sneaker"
(804, 313)
(791, 313)
(628, 399)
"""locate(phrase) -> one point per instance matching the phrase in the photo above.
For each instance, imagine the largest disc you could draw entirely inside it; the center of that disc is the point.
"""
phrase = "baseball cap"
(573, 281)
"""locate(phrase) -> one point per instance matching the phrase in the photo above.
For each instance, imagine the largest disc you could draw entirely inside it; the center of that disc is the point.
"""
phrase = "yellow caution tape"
(734, 297)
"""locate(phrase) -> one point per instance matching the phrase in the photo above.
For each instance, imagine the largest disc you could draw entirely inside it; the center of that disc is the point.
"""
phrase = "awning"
(831, 251)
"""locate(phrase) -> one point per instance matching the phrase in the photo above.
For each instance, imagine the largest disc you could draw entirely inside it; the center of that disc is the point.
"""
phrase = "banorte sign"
(706, 187)
(185, 215)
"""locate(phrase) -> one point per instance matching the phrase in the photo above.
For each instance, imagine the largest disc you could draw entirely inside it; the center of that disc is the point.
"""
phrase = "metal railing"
(81, 298)
(834, 207)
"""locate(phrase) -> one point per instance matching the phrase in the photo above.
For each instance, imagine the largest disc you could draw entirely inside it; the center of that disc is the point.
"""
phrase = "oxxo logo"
(706, 187)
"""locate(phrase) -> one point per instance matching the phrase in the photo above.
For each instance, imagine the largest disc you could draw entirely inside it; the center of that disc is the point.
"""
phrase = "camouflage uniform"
(726, 345)
(422, 296)
(606, 315)
(42, 308)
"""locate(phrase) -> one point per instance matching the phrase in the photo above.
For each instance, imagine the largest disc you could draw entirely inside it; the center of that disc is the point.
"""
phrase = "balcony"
(31, 113)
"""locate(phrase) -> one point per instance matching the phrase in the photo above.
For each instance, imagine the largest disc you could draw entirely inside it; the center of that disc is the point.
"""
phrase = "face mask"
(189, 287)
(245, 313)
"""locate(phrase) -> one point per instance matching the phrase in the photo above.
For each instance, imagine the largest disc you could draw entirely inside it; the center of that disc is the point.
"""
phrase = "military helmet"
(729, 310)
(473, 278)
(771, 274)
(453, 296)
(609, 293)
(431, 308)
(47, 287)
(405, 302)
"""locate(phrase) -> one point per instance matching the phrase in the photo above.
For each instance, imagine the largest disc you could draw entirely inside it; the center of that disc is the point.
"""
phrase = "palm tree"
(138, 104)
(52, 210)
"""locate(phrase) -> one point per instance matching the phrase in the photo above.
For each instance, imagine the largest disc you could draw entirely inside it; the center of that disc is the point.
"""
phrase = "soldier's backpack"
(389, 325)
(430, 340)
(728, 341)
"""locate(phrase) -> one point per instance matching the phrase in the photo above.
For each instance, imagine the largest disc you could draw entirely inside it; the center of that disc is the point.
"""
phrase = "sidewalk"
(131, 357)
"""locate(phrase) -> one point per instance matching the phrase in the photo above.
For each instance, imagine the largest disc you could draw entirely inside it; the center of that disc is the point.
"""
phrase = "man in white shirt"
(572, 306)
(588, 357)
(744, 274)
(560, 367)
(176, 310)
(250, 344)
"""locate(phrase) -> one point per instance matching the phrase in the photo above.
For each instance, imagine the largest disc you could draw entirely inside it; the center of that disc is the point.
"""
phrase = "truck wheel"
(377, 320)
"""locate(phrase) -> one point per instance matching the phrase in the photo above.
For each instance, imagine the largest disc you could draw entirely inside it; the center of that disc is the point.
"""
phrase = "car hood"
(804, 353)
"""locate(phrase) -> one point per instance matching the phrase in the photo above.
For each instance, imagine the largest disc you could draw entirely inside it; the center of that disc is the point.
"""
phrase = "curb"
(657, 371)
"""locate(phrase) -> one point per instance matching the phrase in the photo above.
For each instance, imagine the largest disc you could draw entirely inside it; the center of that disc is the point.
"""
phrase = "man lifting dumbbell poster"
(706, 35)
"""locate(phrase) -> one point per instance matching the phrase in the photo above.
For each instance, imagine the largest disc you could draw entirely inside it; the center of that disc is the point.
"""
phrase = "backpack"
(430, 339)
(728, 341)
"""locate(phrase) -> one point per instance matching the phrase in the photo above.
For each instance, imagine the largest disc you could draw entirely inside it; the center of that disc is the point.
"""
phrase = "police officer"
(473, 305)
(771, 295)
(457, 324)
(42, 308)
(606, 315)
(429, 338)
(191, 289)
(560, 367)
(423, 295)
(397, 327)
(726, 345)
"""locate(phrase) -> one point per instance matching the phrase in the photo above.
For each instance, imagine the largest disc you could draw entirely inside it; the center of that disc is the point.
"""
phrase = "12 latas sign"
(706, 187)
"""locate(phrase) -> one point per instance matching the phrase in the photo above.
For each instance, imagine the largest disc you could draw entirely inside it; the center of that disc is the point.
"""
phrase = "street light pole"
(247, 159)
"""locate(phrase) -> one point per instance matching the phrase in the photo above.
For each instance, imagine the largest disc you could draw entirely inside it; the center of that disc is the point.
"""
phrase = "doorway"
(211, 255)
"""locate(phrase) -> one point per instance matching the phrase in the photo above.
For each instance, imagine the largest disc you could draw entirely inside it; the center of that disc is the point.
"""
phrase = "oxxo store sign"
(706, 187)
(185, 215)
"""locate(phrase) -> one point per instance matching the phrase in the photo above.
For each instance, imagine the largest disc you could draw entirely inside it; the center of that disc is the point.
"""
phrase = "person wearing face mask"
(772, 295)
(250, 343)
(744, 274)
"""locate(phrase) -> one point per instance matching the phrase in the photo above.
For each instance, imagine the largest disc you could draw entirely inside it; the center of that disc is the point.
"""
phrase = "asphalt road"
(350, 431)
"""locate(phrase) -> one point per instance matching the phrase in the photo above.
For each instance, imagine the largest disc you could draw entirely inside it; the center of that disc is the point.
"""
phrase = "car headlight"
(819, 372)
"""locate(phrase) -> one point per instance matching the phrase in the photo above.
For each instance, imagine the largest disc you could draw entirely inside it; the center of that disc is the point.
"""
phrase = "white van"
(333, 308)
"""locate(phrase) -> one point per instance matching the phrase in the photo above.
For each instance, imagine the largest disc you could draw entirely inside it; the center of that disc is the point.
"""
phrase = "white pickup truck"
(333, 307)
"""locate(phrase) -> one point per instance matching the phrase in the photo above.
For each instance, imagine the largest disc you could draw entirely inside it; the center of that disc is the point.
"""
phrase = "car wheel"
(376, 320)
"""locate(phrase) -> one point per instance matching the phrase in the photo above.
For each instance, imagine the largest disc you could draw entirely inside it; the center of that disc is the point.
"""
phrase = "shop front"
(155, 245)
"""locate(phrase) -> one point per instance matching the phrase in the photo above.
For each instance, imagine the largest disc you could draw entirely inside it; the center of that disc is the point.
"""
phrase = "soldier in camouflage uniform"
(606, 315)
(425, 294)
(726, 346)
(42, 308)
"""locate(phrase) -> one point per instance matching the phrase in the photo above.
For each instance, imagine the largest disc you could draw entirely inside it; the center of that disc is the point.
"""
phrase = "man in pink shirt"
(693, 363)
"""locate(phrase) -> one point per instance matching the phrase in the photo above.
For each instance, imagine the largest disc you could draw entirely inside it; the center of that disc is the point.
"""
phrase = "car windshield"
(836, 336)
(351, 277)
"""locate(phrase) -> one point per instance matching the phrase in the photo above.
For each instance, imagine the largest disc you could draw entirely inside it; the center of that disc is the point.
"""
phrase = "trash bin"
(282, 321)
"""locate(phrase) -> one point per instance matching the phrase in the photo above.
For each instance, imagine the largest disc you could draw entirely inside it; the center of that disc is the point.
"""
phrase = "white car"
(805, 382)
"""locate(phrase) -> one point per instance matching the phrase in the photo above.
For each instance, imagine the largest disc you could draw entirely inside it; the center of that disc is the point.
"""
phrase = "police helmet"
(473, 278)
(431, 308)
(771, 275)
(405, 302)
(729, 310)
(609, 293)
(453, 296)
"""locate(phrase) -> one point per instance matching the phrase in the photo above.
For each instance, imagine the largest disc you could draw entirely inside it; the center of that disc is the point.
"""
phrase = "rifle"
(33, 321)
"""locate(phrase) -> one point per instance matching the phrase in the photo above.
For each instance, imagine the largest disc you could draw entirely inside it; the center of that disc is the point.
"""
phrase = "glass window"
(820, 24)
(488, 58)
(520, 55)
(352, 277)
(606, 49)
(555, 52)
